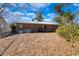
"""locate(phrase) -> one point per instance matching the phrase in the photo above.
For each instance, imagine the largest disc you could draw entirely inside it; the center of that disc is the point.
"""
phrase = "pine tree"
(39, 16)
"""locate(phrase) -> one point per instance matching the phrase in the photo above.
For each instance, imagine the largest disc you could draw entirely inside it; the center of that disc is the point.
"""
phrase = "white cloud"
(15, 16)
(51, 15)
(18, 14)
(6, 12)
(26, 18)
(34, 9)
(13, 4)
(32, 15)
(23, 19)
(35, 6)
(23, 5)
(39, 5)
(47, 19)
(76, 4)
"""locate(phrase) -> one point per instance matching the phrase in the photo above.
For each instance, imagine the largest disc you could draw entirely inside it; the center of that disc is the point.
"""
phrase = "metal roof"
(37, 22)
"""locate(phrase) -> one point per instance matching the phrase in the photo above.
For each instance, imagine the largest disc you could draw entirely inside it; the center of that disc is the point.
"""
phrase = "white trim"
(36, 22)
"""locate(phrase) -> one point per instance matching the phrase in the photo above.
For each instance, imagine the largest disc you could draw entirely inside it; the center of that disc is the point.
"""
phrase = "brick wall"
(35, 27)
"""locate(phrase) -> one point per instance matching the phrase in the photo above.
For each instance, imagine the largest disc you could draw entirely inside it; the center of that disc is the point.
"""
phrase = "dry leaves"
(41, 44)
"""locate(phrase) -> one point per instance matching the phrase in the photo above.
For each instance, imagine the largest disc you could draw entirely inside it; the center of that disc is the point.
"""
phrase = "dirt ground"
(37, 44)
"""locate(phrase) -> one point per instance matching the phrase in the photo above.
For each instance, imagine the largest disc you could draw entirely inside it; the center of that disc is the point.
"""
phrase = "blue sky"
(28, 11)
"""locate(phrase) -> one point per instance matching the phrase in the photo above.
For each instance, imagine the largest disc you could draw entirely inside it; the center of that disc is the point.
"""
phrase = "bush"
(69, 31)
(13, 28)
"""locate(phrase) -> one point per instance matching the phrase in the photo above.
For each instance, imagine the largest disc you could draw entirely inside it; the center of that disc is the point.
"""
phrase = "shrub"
(69, 31)
(13, 28)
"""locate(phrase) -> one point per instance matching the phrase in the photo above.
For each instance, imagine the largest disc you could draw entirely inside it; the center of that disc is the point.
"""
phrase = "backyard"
(37, 44)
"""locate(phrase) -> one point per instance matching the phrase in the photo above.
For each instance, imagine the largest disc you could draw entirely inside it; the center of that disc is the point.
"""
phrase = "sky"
(27, 11)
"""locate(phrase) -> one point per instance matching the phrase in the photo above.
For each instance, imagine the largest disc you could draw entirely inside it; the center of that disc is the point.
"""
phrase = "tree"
(59, 6)
(32, 19)
(39, 17)
(58, 19)
(63, 17)
(67, 17)
(13, 28)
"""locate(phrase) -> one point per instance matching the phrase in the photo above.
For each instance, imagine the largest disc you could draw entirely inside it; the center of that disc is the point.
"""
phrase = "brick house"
(35, 26)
